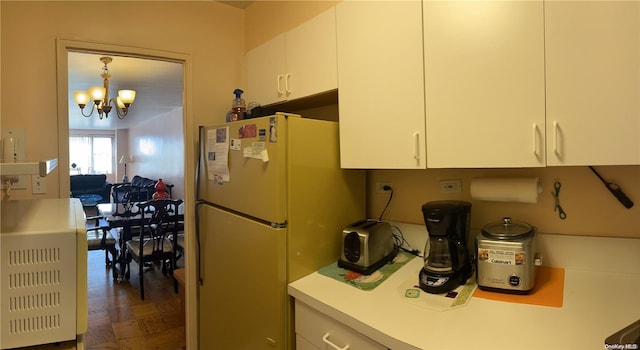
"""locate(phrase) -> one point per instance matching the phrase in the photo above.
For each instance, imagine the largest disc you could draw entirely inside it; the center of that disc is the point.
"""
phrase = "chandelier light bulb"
(126, 96)
(97, 93)
(81, 98)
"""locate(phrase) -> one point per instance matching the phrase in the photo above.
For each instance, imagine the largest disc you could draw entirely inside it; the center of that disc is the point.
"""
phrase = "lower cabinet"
(303, 344)
(315, 330)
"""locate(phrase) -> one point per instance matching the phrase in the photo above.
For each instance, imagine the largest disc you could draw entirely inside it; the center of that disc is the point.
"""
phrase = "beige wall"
(157, 149)
(590, 208)
(265, 19)
(204, 33)
(122, 148)
(206, 30)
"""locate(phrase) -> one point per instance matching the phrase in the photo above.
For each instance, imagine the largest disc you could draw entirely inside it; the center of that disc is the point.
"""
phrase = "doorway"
(66, 109)
(142, 136)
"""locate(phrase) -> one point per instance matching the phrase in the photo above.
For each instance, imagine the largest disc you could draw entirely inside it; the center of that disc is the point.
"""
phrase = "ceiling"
(158, 85)
(238, 3)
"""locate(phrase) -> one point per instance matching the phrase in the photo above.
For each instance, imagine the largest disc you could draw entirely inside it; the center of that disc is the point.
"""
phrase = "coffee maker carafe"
(446, 260)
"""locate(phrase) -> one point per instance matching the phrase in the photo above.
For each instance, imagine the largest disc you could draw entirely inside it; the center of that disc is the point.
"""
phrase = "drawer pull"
(326, 340)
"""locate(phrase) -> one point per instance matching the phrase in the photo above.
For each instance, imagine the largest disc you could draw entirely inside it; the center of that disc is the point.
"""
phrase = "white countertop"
(35, 216)
(601, 296)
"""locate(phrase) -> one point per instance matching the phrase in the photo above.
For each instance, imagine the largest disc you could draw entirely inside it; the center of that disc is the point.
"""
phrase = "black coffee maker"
(446, 260)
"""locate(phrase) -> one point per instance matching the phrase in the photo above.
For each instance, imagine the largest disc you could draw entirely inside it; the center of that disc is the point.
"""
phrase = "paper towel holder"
(506, 189)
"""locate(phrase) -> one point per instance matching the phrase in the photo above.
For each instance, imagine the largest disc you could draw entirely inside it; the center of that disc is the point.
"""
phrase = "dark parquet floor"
(119, 319)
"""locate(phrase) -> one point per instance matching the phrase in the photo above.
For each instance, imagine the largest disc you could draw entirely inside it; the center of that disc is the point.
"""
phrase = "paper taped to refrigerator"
(218, 154)
(258, 150)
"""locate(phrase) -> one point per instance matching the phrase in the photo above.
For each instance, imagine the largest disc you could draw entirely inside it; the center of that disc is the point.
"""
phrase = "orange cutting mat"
(548, 290)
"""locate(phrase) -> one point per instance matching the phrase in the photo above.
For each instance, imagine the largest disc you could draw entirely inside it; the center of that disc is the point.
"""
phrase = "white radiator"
(38, 287)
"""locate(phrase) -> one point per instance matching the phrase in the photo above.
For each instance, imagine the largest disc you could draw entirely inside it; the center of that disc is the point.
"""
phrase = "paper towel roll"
(506, 189)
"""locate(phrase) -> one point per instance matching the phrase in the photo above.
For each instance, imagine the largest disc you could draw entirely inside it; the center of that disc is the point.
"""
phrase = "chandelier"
(100, 96)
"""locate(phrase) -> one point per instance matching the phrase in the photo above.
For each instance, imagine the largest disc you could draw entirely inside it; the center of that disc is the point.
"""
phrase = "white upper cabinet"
(266, 68)
(380, 84)
(593, 82)
(311, 56)
(298, 63)
(484, 83)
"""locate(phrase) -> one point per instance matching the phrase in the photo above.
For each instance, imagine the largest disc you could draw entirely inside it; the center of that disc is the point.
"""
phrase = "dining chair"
(179, 240)
(159, 222)
(99, 237)
(125, 194)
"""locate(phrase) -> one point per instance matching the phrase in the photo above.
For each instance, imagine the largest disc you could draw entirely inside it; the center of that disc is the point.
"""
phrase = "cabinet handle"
(556, 148)
(416, 151)
(278, 80)
(535, 140)
(286, 84)
(331, 344)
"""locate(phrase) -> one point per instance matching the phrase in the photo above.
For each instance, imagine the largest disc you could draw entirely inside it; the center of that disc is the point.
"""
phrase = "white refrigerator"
(272, 203)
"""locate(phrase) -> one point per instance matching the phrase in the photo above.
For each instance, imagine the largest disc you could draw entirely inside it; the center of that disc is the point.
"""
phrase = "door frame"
(63, 46)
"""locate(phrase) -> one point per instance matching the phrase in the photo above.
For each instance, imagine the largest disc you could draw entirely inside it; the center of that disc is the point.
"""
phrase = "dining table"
(124, 218)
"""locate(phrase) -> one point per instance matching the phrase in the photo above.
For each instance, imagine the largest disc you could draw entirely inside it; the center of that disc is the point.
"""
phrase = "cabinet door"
(266, 72)
(303, 344)
(484, 83)
(593, 82)
(311, 57)
(380, 84)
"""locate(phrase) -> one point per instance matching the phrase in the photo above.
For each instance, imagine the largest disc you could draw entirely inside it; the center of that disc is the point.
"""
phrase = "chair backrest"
(160, 221)
(125, 194)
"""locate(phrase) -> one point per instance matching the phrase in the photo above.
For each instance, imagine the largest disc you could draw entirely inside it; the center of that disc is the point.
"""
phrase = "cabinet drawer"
(320, 330)
(303, 344)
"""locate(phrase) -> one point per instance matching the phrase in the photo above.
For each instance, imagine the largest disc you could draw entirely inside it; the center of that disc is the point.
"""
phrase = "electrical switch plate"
(380, 187)
(451, 186)
(38, 184)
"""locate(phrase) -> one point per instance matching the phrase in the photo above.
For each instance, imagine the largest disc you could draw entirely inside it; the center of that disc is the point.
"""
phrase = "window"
(91, 154)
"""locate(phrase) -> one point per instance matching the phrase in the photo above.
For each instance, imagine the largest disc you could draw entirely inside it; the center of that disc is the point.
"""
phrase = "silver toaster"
(367, 245)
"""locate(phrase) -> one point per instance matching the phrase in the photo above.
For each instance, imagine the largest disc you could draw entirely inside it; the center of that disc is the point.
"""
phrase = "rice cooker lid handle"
(507, 229)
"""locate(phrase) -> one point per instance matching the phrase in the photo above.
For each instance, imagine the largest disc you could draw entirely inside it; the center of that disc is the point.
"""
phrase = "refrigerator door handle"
(200, 154)
(198, 247)
(198, 203)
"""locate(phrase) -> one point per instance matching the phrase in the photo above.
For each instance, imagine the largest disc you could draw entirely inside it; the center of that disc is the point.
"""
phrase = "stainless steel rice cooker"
(506, 256)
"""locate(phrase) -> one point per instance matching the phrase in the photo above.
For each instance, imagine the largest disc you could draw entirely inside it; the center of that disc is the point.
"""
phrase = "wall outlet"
(451, 186)
(381, 185)
(38, 184)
